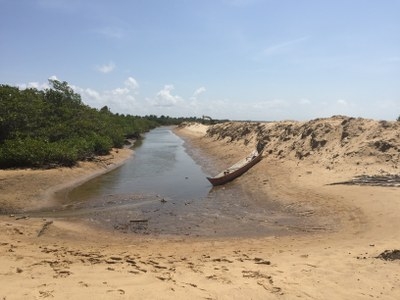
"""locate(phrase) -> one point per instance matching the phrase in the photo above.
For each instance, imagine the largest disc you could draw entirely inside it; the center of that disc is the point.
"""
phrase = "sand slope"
(338, 142)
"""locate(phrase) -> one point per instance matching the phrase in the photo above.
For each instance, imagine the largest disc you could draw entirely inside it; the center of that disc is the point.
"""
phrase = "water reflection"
(160, 166)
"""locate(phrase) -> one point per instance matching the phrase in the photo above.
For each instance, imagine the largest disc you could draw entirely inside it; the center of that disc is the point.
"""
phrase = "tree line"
(53, 127)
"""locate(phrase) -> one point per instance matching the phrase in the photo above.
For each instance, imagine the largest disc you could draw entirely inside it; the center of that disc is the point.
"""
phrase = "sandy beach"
(336, 259)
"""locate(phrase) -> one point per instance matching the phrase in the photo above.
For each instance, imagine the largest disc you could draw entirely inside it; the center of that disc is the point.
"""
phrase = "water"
(160, 166)
(162, 190)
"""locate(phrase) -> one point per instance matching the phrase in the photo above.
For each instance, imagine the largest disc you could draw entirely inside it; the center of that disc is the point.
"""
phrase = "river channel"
(162, 190)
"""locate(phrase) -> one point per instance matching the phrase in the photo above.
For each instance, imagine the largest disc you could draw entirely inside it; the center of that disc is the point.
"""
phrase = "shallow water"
(162, 190)
(160, 166)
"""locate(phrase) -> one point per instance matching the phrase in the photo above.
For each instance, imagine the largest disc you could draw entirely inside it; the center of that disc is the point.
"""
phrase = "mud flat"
(55, 258)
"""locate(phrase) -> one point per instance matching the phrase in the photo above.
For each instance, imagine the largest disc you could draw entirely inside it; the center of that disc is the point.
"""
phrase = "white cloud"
(123, 98)
(34, 85)
(37, 85)
(119, 99)
(92, 94)
(53, 77)
(107, 68)
(199, 91)
(120, 91)
(196, 94)
(131, 83)
(165, 98)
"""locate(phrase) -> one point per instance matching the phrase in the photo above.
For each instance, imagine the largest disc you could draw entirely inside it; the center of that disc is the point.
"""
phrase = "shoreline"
(36, 188)
(339, 264)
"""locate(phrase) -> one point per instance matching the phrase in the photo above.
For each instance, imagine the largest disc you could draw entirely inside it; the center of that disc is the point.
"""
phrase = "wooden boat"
(237, 169)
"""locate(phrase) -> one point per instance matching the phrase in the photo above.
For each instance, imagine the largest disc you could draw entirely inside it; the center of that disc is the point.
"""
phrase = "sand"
(69, 260)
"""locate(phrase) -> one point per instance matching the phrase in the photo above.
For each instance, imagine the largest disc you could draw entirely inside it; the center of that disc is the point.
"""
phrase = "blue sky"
(233, 59)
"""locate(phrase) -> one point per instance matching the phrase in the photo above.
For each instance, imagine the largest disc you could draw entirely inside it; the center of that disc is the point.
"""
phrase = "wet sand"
(68, 260)
(29, 189)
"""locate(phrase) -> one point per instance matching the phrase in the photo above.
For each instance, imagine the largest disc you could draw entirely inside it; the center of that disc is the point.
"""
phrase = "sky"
(261, 60)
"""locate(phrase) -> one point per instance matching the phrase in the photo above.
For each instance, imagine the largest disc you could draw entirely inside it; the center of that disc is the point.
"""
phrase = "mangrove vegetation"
(53, 127)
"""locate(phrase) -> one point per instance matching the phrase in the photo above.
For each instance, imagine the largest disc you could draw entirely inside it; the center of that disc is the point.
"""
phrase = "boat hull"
(226, 177)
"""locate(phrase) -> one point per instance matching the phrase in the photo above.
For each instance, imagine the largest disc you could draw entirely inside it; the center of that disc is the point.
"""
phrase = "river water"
(160, 166)
(161, 190)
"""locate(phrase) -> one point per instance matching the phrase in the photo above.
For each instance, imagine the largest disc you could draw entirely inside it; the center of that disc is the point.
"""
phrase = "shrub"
(52, 127)
(101, 144)
(35, 153)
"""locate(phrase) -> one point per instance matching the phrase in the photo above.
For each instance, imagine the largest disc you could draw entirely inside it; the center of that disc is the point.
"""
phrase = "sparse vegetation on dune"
(326, 141)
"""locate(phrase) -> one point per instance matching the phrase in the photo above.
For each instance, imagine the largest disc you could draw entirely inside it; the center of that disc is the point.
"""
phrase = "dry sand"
(338, 261)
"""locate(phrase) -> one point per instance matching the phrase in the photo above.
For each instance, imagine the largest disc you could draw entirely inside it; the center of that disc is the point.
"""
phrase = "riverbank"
(28, 189)
(54, 258)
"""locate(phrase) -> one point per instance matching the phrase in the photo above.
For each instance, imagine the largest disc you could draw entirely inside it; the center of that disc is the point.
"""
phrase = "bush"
(35, 153)
(52, 127)
(101, 144)
(61, 155)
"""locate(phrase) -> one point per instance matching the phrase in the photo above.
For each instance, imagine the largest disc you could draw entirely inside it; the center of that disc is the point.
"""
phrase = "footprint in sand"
(263, 280)
(120, 291)
(83, 284)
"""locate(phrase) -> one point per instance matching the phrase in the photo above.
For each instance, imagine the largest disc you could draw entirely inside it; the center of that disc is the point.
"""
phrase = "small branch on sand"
(390, 255)
(44, 227)
(391, 180)
(138, 221)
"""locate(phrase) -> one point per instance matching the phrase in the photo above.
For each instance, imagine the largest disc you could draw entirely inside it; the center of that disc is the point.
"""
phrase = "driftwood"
(135, 225)
(390, 255)
(44, 227)
(374, 180)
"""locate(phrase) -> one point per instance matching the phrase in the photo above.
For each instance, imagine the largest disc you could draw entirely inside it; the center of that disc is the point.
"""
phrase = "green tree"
(55, 128)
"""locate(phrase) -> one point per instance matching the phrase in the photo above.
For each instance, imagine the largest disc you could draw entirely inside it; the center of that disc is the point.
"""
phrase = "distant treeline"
(52, 127)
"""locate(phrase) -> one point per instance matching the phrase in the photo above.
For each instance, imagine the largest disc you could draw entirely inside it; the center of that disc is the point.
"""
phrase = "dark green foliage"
(54, 128)
(31, 152)
(398, 118)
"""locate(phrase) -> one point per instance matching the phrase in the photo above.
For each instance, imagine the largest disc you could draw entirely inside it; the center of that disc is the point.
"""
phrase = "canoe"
(237, 169)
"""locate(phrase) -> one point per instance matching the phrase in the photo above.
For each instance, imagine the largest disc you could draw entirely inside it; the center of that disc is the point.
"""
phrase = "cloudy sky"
(233, 59)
